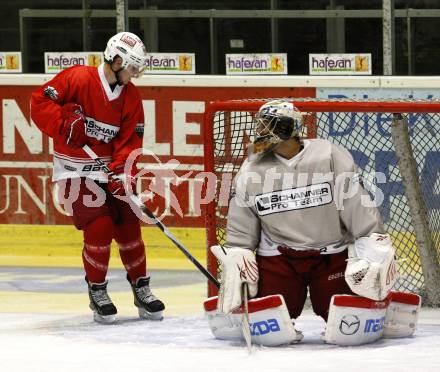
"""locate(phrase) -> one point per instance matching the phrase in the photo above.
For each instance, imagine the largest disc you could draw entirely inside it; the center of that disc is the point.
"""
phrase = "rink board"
(173, 108)
(46, 245)
(43, 245)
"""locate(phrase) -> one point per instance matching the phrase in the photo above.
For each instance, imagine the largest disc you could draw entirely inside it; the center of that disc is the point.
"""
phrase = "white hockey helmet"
(276, 121)
(130, 48)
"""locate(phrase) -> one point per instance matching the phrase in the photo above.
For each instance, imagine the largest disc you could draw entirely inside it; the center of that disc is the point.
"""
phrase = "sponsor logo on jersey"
(293, 199)
(264, 327)
(69, 168)
(92, 168)
(139, 130)
(101, 131)
(349, 325)
(374, 325)
(51, 92)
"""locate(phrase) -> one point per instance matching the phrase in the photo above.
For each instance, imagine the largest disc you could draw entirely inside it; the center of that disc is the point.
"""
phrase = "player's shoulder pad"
(76, 75)
(245, 165)
(316, 153)
(239, 178)
(341, 151)
(319, 146)
(66, 73)
(77, 70)
(248, 167)
(342, 159)
(132, 93)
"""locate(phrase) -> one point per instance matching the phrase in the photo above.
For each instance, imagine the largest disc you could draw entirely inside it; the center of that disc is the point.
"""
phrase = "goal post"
(396, 148)
(419, 214)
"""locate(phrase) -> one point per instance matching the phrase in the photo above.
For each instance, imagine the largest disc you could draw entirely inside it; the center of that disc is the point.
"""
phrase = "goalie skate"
(104, 311)
(149, 306)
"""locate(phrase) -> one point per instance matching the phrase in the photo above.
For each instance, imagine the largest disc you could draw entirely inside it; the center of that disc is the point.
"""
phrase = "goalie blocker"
(352, 320)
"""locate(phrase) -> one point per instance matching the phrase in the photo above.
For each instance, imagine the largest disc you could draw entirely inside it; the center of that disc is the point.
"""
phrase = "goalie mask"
(132, 51)
(275, 122)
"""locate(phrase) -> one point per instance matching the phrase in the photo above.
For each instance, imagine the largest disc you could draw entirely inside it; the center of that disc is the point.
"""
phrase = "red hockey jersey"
(114, 120)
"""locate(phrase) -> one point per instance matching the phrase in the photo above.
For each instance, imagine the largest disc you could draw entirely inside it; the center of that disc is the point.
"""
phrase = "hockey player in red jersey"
(300, 221)
(101, 108)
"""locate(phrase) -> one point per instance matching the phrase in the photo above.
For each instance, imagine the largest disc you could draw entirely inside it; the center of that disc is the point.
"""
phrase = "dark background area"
(297, 37)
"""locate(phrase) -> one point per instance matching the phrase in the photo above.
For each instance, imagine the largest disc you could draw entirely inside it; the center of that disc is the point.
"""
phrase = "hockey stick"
(245, 326)
(158, 223)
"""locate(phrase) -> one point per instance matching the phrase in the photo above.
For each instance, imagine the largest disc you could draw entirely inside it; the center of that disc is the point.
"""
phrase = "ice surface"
(54, 342)
(45, 326)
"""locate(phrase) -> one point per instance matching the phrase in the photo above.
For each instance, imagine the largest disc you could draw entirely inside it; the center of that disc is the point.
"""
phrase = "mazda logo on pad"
(349, 325)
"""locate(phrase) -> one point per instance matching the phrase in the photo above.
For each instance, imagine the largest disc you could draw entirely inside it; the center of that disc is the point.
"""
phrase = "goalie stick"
(245, 326)
(158, 223)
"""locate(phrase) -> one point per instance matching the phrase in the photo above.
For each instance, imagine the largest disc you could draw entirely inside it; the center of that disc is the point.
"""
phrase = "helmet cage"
(275, 122)
(281, 128)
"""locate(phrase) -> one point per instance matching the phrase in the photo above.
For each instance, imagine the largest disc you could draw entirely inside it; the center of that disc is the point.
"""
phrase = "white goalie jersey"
(312, 201)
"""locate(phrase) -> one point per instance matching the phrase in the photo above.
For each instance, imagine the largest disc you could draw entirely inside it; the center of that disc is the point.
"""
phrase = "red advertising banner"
(173, 132)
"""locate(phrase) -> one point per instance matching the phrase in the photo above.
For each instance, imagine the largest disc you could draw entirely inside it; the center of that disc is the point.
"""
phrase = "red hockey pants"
(292, 272)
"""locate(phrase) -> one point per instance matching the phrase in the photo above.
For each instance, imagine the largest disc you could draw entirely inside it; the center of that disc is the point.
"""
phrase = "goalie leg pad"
(355, 320)
(402, 315)
(269, 320)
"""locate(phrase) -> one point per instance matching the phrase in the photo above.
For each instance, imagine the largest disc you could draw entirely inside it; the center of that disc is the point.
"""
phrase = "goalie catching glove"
(371, 268)
(238, 266)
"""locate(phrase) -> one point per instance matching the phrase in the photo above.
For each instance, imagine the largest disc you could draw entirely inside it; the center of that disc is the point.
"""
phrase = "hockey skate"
(149, 306)
(100, 303)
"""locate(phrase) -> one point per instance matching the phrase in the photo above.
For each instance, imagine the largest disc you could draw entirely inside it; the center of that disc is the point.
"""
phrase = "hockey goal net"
(395, 145)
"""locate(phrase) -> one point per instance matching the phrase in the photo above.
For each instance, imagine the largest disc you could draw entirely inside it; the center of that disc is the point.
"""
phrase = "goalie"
(300, 206)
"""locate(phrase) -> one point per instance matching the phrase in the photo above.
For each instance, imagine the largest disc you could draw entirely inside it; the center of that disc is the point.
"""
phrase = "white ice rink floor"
(62, 337)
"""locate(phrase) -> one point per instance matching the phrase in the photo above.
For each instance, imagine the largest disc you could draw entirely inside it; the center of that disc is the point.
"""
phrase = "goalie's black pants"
(292, 272)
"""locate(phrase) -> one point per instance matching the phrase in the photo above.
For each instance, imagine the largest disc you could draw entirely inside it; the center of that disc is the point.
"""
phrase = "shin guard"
(98, 235)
